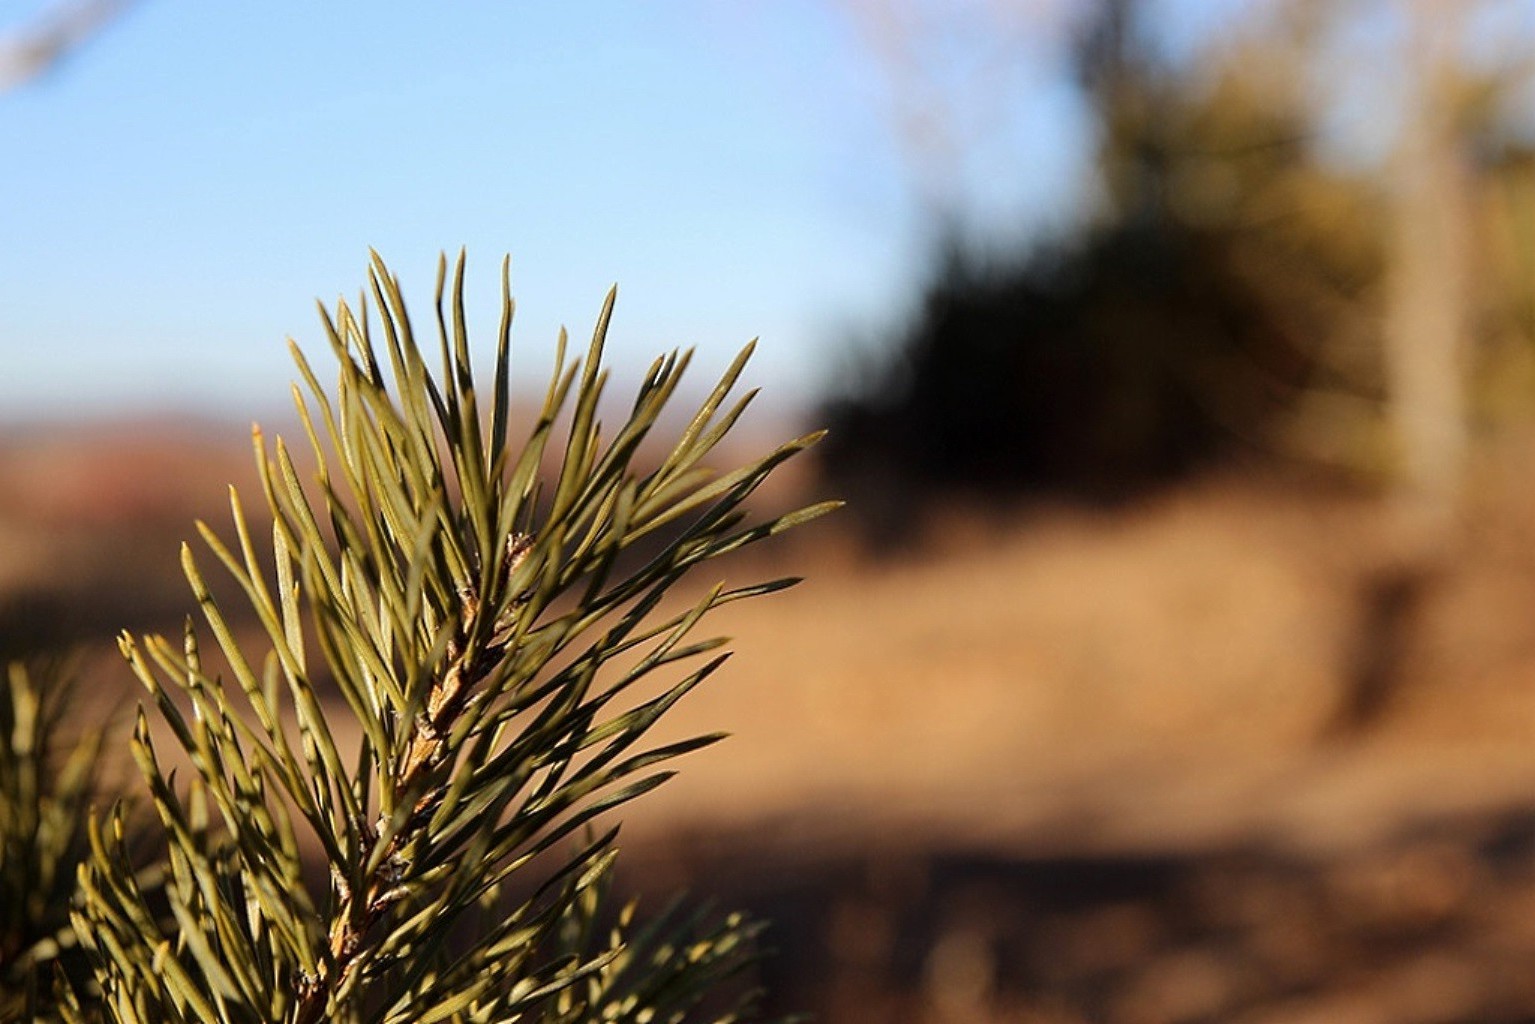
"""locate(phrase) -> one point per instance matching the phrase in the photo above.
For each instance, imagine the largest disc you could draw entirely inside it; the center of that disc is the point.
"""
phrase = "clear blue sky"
(175, 196)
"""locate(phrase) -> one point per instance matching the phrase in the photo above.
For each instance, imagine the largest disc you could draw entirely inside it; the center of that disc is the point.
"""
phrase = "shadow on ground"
(1436, 923)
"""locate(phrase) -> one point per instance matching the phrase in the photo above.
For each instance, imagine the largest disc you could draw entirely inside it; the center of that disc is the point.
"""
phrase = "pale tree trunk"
(1428, 296)
(1427, 319)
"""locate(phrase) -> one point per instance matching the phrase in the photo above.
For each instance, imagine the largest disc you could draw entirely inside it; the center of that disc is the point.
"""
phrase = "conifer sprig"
(47, 779)
(486, 641)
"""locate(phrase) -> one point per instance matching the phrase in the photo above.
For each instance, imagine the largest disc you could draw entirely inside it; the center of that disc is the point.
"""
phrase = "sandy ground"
(1166, 675)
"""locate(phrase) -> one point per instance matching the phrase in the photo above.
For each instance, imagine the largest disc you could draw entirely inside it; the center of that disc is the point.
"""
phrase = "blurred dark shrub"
(1223, 282)
(1091, 372)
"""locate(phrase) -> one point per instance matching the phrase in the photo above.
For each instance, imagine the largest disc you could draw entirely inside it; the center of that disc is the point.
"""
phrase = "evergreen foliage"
(47, 779)
(497, 663)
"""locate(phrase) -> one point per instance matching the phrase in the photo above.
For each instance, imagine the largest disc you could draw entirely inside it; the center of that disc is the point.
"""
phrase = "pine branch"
(46, 783)
(487, 641)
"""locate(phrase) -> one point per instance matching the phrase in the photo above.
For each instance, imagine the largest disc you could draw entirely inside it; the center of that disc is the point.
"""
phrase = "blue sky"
(176, 195)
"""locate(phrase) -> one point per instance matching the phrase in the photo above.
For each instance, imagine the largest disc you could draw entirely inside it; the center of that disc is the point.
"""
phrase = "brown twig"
(357, 913)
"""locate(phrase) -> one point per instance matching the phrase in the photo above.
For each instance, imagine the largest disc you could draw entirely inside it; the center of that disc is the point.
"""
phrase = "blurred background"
(1174, 660)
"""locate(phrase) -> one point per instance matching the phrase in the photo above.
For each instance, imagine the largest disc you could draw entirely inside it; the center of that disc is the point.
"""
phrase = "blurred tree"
(1217, 285)
(1247, 283)
(1263, 274)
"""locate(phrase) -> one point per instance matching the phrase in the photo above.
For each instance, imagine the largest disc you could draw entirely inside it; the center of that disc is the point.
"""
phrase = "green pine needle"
(486, 643)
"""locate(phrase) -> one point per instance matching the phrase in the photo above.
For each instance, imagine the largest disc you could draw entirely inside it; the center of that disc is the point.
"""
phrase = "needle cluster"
(460, 659)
